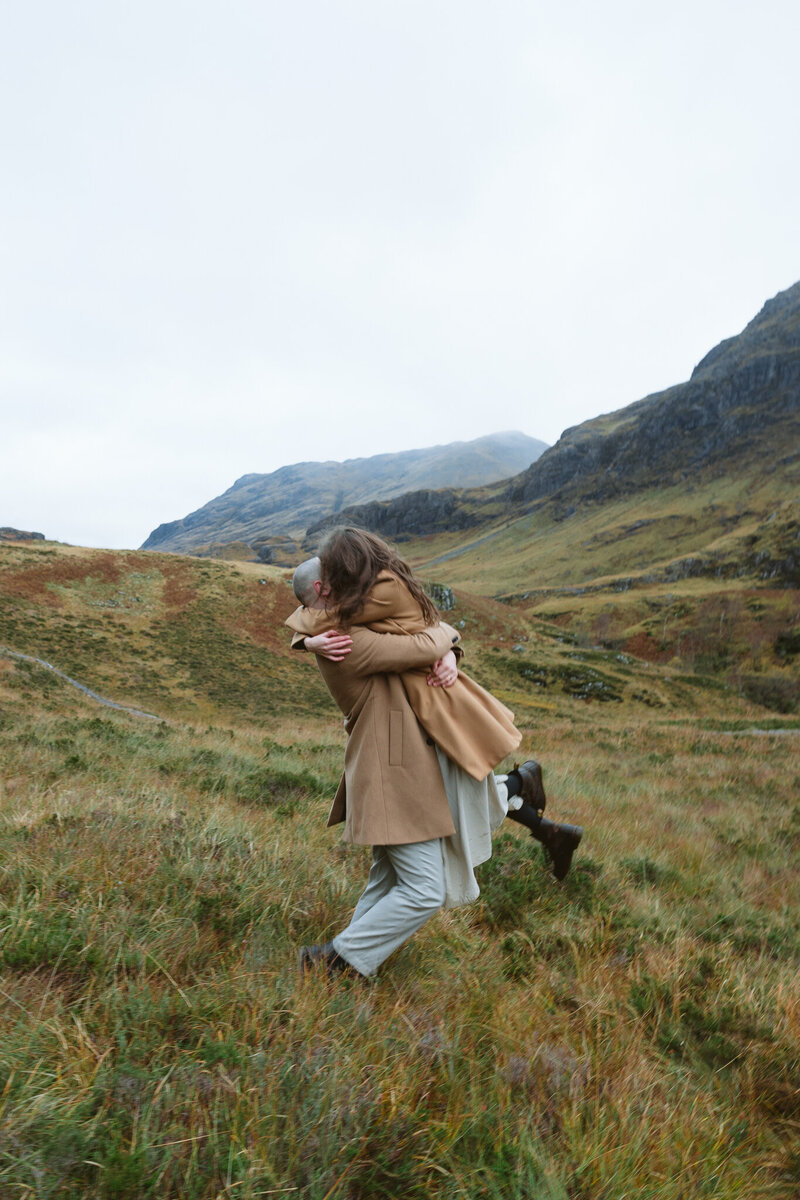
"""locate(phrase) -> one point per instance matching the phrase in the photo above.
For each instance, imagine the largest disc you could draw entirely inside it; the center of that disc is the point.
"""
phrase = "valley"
(633, 595)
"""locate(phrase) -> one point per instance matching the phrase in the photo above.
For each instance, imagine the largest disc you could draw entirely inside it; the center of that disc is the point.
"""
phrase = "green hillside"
(706, 578)
(195, 640)
(732, 529)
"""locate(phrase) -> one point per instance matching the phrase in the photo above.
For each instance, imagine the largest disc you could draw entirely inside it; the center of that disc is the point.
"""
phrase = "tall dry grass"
(631, 1032)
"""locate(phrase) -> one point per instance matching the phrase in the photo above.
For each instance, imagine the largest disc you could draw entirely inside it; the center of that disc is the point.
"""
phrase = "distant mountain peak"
(258, 508)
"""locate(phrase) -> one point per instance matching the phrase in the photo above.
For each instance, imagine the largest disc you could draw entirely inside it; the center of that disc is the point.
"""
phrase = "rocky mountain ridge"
(266, 513)
(738, 391)
(724, 416)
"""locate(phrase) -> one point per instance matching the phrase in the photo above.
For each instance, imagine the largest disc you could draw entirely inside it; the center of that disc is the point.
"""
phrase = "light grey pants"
(405, 888)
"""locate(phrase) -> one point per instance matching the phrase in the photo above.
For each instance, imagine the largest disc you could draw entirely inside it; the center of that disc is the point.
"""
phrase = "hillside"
(631, 1031)
(698, 479)
(166, 634)
(263, 512)
(193, 640)
(740, 410)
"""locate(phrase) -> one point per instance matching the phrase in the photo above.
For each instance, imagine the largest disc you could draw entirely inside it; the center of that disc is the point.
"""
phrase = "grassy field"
(632, 1032)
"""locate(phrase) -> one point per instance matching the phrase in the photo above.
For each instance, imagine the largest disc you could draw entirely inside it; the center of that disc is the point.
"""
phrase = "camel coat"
(473, 728)
(392, 791)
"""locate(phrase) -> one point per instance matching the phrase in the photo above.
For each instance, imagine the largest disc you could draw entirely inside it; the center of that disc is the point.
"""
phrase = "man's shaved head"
(304, 579)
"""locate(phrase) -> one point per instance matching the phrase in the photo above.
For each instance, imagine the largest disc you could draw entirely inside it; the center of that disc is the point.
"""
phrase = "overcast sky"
(240, 234)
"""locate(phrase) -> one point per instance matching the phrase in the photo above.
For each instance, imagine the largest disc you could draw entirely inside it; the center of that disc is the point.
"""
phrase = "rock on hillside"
(740, 410)
(259, 508)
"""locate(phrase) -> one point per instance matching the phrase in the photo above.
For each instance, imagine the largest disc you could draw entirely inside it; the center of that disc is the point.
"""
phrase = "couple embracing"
(423, 739)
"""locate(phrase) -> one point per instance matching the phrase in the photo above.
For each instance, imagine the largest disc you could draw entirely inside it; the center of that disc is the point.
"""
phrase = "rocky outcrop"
(414, 513)
(7, 534)
(442, 596)
(278, 551)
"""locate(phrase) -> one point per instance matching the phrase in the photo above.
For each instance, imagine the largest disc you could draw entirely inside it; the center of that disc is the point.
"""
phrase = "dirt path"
(432, 562)
(134, 712)
(759, 732)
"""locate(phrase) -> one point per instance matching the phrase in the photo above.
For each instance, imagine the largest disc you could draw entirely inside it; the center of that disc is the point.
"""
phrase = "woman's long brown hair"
(351, 561)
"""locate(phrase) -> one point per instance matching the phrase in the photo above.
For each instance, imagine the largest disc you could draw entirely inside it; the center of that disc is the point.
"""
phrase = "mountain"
(263, 512)
(7, 534)
(708, 469)
(737, 396)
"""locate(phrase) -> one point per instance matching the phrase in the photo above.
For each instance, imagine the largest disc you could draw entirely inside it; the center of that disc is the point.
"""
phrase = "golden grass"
(633, 1031)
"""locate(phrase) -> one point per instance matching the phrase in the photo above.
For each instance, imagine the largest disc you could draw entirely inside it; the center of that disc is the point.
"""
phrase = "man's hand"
(331, 644)
(444, 672)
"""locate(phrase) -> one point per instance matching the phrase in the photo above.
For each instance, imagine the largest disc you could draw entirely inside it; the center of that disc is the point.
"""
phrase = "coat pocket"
(395, 738)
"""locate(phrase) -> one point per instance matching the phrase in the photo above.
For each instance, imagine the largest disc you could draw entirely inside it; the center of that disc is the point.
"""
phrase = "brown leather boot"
(532, 789)
(559, 841)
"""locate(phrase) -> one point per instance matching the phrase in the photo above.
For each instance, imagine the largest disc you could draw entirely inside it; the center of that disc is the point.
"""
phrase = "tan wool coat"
(474, 729)
(392, 791)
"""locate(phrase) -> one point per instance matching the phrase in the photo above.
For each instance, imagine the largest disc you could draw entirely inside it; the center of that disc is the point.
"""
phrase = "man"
(429, 823)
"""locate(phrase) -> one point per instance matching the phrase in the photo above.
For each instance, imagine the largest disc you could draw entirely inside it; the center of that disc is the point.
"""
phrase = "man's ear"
(318, 586)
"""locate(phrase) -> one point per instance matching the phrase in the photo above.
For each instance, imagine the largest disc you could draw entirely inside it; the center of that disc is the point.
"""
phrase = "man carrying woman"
(422, 741)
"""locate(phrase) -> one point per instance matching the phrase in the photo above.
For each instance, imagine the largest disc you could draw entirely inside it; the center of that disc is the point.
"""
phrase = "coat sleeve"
(390, 653)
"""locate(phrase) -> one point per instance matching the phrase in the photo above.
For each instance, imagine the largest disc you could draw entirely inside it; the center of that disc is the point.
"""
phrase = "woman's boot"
(526, 781)
(560, 841)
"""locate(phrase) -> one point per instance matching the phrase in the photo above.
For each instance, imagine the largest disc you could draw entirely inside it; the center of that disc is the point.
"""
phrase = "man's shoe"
(323, 956)
(561, 842)
(532, 791)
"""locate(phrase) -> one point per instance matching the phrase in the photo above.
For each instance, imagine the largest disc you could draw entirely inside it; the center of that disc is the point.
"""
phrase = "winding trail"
(432, 562)
(136, 712)
(40, 662)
